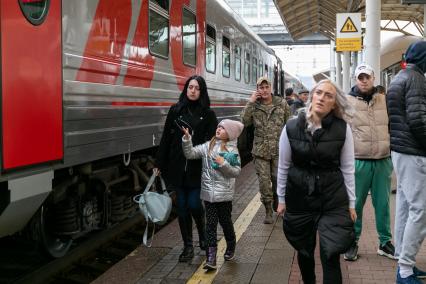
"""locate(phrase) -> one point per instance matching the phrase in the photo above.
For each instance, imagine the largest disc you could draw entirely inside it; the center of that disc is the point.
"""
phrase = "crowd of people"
(317, 154)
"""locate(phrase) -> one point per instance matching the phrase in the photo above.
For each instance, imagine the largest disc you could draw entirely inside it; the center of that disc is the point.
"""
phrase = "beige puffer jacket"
(370, 127)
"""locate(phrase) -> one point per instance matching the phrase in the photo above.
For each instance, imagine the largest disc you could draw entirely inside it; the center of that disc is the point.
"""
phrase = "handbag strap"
(147, 187)
(151, 181)
(145, 236)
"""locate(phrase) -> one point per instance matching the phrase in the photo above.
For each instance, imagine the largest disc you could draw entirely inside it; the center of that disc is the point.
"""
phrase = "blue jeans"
(189, 206)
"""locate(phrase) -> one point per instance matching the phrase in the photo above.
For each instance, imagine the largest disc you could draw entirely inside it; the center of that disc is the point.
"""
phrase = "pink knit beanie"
(232, 127)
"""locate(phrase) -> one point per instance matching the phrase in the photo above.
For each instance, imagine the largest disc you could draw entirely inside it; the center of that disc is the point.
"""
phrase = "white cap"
(364, 69)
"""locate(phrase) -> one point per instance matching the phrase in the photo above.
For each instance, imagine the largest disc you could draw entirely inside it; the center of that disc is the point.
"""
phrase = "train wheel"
(54, 245)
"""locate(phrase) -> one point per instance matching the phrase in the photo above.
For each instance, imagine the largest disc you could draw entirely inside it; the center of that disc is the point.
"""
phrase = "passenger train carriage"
(85, 89)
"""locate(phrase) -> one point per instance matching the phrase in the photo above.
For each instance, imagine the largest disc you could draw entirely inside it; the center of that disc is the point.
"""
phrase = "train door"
(31, 82)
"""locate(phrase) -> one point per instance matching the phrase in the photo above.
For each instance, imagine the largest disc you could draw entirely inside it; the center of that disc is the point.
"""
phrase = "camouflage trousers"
(266, 170)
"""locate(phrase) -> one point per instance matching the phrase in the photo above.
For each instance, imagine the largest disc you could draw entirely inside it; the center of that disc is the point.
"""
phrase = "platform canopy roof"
(305, 17)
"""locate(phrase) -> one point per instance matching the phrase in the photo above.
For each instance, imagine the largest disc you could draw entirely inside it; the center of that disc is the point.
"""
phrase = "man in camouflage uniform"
(268, 115)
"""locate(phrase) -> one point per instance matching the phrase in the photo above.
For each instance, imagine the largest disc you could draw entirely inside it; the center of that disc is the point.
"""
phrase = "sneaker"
(412, 279)
(419, 273)
(187, 254)
(387, 250)
(352, 253)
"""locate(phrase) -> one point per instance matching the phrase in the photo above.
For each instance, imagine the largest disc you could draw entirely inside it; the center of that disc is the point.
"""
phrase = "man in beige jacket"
(373, 166)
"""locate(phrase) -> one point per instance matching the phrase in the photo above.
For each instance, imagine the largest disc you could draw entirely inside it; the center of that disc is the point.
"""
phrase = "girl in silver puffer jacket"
(220, 166)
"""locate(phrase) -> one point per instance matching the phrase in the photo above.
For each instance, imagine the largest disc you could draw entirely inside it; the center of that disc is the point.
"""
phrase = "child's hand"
(186, 133)
(219, 160)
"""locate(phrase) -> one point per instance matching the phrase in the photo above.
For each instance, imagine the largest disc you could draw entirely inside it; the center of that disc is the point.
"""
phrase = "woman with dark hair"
(316, 182)
(192, 111)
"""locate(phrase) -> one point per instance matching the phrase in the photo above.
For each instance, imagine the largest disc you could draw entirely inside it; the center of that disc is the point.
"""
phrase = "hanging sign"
(348, 32)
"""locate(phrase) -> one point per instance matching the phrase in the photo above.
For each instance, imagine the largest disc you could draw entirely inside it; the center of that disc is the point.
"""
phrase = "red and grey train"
(85, 89)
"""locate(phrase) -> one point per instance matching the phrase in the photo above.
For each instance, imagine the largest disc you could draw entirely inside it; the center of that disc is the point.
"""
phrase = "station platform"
(263, 255)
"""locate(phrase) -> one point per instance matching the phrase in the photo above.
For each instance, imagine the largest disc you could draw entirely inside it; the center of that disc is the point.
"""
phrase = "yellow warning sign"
(348, 44)
(348, 26)
(348, 32)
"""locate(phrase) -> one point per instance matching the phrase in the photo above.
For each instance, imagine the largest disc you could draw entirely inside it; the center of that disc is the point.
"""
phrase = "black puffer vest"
(315, 182)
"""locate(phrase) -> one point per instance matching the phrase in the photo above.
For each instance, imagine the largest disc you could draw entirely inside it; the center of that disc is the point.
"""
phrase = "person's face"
(304, 97)
(221, 133)
(264, 90)
(323, 99)
(365, 82)
(193, 90)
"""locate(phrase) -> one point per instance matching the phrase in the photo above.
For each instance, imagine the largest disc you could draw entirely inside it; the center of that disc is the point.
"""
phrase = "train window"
(211, 49)
(237, 63)
(162, 3)
(189, 38)
(254, 73)
(247, 67)
(261, 73)
(158, 34)
(226, 57)
(35, 11)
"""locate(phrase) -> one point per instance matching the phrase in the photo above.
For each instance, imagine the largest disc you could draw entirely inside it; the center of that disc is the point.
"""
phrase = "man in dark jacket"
(299, 101)
(406, 101)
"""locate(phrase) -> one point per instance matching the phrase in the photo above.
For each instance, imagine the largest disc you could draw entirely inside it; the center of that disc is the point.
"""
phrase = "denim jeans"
(189, 206)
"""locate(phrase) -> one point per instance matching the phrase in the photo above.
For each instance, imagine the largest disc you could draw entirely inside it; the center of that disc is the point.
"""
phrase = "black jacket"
(176, 170)
(406, 100)
(316, 196)
(297, 103)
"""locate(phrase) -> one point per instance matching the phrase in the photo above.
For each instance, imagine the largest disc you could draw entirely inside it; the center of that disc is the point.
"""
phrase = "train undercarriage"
(85, 198)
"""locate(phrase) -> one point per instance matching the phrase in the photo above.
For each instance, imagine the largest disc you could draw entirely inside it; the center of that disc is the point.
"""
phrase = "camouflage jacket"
(268, 122)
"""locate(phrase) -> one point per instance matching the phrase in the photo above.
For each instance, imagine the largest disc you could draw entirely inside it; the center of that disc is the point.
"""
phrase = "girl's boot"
(211, 258)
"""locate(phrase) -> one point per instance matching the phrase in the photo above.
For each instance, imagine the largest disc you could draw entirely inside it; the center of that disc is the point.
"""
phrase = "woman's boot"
(230, 251)
(185, 225)
(187, 254)
(211, 258)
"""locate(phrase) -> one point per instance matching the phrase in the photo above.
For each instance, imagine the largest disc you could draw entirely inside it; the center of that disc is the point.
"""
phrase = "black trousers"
(219, 212)
(330, 266)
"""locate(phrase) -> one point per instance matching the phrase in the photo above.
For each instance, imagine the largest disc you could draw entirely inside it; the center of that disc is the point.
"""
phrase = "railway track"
(84, 263)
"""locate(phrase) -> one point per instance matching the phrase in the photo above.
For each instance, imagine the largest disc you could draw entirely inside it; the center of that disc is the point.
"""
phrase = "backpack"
(154, 206)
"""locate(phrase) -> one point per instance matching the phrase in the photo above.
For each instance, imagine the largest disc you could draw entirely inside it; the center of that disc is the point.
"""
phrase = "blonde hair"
(222, 144)
(343, 109)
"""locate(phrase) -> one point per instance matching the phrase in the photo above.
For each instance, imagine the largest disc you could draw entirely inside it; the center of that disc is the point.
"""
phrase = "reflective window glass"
(158, 34)
(237, 63)
(210, 57)
(189, 38)
(247, 68)
(35, 11)
(210, 49)
(254, 73)
(226, 57)
(162, 3)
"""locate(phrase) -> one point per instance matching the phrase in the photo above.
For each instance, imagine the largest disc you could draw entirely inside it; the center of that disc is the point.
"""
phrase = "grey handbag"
(154, 206)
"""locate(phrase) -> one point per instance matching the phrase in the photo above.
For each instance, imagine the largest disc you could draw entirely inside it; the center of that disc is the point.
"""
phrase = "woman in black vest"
(316, 184)
(192, 111)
